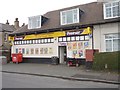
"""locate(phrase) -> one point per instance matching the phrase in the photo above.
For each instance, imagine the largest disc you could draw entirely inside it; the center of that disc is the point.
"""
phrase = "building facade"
(67, 33)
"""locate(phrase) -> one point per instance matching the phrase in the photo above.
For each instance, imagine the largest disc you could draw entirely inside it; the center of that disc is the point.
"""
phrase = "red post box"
(17, 58)
(89, 57)
(90, 54)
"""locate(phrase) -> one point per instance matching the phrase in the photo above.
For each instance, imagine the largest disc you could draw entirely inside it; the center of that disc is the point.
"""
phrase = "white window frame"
(104, 9)
(65, 23)
(33, 21)
(112, 39)
(5, 37)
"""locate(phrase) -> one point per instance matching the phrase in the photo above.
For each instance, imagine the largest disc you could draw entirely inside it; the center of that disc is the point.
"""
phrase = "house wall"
(99, 32)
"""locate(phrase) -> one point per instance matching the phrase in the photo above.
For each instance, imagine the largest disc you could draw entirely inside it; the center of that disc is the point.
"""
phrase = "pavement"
(62, 71)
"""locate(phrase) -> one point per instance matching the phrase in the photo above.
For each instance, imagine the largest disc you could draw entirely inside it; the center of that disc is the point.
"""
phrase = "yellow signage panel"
(10, 38)
(45, 35)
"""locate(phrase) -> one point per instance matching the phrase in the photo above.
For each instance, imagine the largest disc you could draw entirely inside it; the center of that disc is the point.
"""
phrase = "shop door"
(62, 54)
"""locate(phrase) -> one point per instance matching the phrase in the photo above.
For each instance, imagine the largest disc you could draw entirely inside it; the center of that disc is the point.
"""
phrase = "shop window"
(32, 50)
(77, 38)
(73, 38)
(60, 39)
(52, 40)
(64, 39)
(45, 40)
(23, 51)
(30, 41)
(19, 42)
(36, 51)
(86, 37)
(41, 50)
(81, 37)
(22, 42)
(27, 51)
(68, 38)
(49, 40)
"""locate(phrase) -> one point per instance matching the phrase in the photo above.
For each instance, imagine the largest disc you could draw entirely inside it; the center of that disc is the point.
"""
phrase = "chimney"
(7, 22)
(16, 23)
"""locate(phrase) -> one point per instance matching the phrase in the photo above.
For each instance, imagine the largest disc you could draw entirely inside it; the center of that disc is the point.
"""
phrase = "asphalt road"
(29, 81)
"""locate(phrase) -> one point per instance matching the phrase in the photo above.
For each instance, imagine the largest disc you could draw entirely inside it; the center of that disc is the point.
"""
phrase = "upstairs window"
(34, 22)
(112, 9)
(5, 37)
(69, 16)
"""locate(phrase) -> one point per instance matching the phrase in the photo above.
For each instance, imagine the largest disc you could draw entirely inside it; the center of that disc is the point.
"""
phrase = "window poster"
(80, 45)
(20, 50)
(69, 46)
(32, 50)
(36, 51)
(27, 51)
(45, 50)
(75, 45)
(80, 53)
(86, 44)
(74, 53)
(50, 51)
(41, 50)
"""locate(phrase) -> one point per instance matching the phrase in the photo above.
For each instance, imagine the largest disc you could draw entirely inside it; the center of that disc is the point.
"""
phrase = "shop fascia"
(53, 34)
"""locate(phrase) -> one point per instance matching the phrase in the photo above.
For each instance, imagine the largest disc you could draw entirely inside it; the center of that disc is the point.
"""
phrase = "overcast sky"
(22, 9)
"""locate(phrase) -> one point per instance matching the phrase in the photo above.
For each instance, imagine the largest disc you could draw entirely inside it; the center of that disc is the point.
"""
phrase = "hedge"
(107, 61)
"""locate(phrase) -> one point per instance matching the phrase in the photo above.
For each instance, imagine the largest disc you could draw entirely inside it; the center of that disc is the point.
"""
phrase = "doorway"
(62, 54)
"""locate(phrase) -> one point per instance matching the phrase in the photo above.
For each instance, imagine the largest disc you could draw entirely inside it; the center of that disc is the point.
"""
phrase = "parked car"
(3, 60)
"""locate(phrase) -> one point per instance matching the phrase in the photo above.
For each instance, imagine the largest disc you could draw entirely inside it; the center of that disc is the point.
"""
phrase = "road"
(29, 81)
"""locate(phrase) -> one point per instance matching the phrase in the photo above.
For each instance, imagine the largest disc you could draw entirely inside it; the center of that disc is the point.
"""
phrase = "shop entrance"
(62, 54)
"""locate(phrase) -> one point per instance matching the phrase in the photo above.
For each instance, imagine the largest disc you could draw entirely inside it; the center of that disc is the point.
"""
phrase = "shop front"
(40, 48)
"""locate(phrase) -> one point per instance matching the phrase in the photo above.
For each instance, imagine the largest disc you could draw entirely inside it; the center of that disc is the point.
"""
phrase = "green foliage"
(107, 61)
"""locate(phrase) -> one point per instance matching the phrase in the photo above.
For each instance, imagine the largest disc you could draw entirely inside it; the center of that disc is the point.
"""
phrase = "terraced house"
(67, 33)
(5, 29)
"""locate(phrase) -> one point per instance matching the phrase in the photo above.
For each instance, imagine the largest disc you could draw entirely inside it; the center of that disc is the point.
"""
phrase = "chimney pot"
(23, 24)
(7, 22)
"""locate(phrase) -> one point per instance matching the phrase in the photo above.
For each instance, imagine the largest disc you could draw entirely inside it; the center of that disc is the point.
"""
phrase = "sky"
(22, 9)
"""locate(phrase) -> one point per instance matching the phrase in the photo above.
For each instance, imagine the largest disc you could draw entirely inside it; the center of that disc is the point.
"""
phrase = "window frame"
(111, 7)
(34, 20)
(65, 17)
(112, 41)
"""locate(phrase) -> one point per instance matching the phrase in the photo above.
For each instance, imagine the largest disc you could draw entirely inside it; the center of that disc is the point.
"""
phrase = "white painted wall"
(99, 32)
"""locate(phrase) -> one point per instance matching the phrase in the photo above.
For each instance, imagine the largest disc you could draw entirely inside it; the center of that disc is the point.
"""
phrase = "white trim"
(104, 9)
(35, 22)
(61, 20)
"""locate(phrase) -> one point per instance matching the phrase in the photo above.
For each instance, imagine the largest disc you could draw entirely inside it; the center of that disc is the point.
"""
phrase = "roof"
(92, 14)
(6, 28)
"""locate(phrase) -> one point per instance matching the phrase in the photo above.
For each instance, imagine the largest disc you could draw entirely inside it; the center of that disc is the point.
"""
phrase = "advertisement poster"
(41, 50)
(74, 53)
(86, 44)
(27, 51)
(32, 51)
(45, 50)
(69, 46)
(75, 45)
(80, 52)
(36, 51)
(80, 45)
(50, 51)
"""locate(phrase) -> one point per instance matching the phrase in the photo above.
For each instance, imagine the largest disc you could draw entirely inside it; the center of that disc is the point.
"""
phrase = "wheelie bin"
(17, 58)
